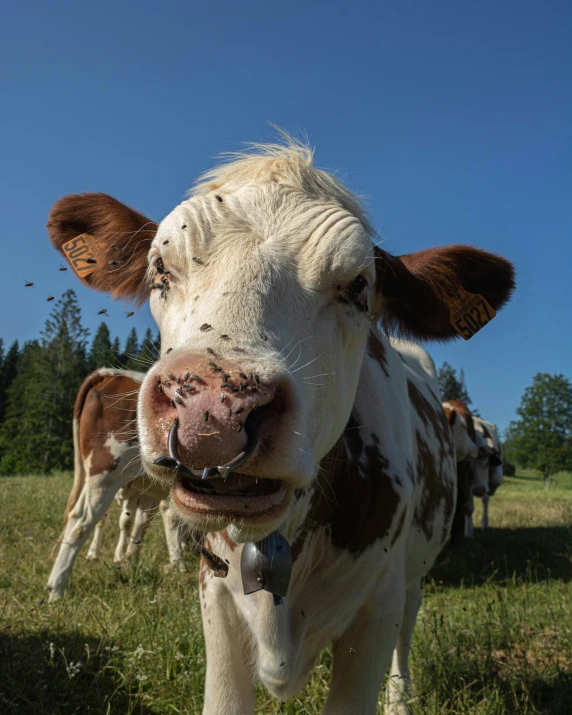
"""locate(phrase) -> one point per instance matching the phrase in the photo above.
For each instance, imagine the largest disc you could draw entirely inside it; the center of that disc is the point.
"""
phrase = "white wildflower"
(73, 668)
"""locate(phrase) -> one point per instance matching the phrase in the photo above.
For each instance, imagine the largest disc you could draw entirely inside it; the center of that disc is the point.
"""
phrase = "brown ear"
(416, 288)
(105, 242)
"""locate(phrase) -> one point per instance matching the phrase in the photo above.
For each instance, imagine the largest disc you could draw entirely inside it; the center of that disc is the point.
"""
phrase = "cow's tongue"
(235, 484)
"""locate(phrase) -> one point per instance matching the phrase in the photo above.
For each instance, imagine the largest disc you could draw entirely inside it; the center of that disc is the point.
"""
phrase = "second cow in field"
(489, 436)
(107, 462)
(472, 455)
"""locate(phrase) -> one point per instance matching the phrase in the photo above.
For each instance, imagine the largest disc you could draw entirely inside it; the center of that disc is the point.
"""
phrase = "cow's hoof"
(55, 594)
(91, 556)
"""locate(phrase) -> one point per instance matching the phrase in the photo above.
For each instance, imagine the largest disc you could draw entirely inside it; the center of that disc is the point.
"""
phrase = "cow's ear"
(105, 242)
(416, 291)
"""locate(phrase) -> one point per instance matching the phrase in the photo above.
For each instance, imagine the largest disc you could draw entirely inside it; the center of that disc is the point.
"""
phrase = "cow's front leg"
(469, 527)
(361, 658)
(146, 510)
(94, 550)
(229, 688)
(126, 519)
(173, 536)
(93, 502)
(398, 685)
(485, 517)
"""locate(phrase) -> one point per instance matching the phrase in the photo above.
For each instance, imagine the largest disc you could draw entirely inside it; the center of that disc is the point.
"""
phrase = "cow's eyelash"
(160, 277)
(355, 293)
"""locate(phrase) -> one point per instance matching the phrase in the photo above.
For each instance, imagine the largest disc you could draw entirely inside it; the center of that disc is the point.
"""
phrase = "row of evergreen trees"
(39, 383)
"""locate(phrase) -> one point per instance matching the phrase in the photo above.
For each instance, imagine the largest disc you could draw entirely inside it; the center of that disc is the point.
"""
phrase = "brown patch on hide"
(377, 350)
(436, 493)
(399, 527)
(227, 540)
(432, 414)
(414, 288)
(464, 475)
(117, 236)
(107, 411)
(358, 503)
(203, 571)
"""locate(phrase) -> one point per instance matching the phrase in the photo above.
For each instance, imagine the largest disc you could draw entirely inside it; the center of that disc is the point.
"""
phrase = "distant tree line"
(39, 382)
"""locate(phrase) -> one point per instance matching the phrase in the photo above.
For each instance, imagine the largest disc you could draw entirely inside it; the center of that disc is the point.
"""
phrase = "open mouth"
(238, 493)
(216, 488)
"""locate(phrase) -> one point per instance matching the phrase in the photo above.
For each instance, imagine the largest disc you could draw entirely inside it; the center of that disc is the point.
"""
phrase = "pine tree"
(131, 350)
(101, 353)
(116, 350)
(452, 388)
(130, 358)
(8, 371)
(148, 353)
(37, 433)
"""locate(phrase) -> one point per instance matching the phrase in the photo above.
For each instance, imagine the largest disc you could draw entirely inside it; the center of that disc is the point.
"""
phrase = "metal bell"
(267, 565)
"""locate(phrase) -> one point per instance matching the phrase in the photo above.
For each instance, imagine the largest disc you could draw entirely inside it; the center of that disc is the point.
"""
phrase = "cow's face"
(262, 299)
(480, 466)
(263, 285)
(491, 437)
(465, 447)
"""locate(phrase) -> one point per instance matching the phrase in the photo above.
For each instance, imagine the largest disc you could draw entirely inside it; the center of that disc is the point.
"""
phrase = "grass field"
(494, 633)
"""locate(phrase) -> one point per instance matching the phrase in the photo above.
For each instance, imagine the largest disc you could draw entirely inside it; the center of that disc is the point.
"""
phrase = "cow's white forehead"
(274, 198)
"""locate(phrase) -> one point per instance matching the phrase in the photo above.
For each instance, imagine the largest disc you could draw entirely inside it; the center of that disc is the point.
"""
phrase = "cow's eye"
(357, 286)
(162, 277)
(357, 293)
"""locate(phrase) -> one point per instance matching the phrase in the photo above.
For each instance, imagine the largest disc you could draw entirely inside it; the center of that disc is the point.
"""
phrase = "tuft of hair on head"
(289, 163)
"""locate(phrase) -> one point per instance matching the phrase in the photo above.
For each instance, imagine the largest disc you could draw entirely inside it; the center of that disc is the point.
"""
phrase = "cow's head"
(461, 424)
(263, 285)
(490, 436)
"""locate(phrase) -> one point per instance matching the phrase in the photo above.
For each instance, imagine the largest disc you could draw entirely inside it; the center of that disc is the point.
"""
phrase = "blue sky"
(453, 119)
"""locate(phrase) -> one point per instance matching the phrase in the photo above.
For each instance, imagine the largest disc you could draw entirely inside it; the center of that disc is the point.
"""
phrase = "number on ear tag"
(469, 312)
(80, 254)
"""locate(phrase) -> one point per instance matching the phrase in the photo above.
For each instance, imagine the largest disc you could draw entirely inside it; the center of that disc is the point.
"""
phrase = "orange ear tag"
(80, 255)
(469, 312)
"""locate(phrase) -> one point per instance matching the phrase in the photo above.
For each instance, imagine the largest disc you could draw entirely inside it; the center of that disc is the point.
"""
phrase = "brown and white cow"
(472, 456)
(266, 288)
(488, 434)
(107, 465)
